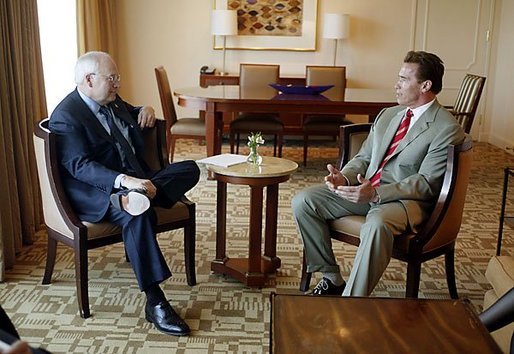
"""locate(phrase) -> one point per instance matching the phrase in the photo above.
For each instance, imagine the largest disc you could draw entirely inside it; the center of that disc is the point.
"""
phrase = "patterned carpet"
(226, 316)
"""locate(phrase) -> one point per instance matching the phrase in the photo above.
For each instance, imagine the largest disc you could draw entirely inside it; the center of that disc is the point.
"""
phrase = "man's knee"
(188, 170)
(302, 201)
(391, 220)
(193, 170)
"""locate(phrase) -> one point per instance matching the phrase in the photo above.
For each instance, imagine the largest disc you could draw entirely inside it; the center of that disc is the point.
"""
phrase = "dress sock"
(154, 295)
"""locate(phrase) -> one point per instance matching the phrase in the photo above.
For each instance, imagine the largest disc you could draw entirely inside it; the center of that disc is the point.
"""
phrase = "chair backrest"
(444, 223)
(168, 108)
(328, 75)
(54, 201)
(254, 80)
(467, 100)
(351, 137)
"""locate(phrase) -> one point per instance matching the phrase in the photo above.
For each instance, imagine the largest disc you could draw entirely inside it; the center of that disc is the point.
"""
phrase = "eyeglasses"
(114, 78)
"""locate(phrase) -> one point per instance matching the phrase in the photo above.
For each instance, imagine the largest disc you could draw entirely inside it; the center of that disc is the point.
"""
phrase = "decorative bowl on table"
(296, 97)
(301, 90)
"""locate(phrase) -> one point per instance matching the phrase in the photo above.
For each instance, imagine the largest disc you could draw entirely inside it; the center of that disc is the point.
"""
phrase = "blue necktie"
(124, 144)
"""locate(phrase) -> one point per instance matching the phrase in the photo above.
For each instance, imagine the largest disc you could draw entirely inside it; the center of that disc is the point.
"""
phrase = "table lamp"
(224, 23)
(336, 26)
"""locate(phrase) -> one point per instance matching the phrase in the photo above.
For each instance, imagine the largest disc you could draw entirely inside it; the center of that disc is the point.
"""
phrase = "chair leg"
(231, 141)
(306, 277)
(237, 143)
(280, 144)
(305, 145)
(413, 278)
(81, 275)
(171, 149)
(50, 260)
(189, 252)
(275, 141)
(449, 261)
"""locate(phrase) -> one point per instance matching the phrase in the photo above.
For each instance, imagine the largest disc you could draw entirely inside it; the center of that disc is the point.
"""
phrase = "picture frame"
(305, 42)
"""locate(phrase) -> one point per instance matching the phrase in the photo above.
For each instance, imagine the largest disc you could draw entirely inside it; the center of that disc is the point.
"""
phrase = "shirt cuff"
(117, 181)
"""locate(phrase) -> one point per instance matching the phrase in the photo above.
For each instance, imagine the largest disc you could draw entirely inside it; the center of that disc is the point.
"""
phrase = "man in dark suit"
(100, 143)
(393, 180)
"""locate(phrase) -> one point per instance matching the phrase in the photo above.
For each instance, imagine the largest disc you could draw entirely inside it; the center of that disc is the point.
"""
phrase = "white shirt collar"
(418, 111)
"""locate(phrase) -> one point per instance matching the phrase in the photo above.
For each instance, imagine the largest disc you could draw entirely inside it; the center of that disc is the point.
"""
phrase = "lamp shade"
(224, 22)
(336, 26)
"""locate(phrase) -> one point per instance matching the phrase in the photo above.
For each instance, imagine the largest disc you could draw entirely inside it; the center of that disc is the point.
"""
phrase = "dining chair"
(324, 125)
(254, 80)
(64, 226)
(437, 236)
(465, 107)
(183, 128)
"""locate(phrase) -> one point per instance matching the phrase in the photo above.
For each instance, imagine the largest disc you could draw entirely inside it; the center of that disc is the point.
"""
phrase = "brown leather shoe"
(166, 319)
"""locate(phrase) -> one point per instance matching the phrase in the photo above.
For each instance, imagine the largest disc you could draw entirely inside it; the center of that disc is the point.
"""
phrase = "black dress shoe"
(326, 287)
(166, 319)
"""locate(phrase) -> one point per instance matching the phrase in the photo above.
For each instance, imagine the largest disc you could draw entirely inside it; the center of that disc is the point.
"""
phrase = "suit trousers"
(138, 232)
(315, 206)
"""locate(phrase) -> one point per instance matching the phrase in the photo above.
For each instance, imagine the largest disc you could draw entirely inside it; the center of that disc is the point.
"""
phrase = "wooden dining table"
(217, 100)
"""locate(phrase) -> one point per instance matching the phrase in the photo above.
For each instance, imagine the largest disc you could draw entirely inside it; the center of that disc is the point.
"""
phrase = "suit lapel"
(389, 135)
(89, 119)
(419, 127)
(122, 114)
(120, 111)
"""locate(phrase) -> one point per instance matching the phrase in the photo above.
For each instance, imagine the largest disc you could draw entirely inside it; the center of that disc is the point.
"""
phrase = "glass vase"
(254, 157)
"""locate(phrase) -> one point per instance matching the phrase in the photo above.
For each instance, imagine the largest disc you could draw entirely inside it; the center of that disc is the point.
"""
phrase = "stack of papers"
(223, 160)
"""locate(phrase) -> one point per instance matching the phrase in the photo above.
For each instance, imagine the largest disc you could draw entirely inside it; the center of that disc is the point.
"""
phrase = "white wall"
(500, 100)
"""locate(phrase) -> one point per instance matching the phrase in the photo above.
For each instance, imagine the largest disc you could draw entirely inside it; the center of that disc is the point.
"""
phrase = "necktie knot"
(105, 111)
(409, 114)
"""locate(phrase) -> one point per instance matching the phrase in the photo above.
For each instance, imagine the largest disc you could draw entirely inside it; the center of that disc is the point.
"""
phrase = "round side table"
(273, 170)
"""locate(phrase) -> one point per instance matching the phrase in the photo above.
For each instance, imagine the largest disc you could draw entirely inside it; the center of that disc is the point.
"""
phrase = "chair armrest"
(500, 314)
(155, 145)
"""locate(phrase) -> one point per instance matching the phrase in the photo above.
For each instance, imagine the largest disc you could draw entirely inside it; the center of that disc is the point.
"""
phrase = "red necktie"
(400, 133)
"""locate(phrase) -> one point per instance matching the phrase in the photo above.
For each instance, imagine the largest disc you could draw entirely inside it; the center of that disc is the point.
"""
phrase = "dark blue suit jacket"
(88, 155)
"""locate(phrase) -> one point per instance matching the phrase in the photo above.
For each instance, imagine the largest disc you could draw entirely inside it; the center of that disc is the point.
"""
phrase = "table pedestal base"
(237, 268)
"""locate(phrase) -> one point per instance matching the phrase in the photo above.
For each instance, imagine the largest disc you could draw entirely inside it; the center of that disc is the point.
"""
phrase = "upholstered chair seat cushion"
(189, 126)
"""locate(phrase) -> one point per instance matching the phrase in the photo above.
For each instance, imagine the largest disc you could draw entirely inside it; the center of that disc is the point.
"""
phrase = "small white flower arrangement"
(254, 140)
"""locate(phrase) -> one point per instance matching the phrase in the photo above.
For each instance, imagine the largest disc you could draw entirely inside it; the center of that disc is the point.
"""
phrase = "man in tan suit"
(393, 181)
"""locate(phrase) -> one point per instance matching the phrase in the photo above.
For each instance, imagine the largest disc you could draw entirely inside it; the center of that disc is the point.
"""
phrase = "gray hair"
(86, 64)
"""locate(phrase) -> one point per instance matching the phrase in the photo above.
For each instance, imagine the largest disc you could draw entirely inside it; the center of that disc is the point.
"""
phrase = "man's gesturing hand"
(363, 193)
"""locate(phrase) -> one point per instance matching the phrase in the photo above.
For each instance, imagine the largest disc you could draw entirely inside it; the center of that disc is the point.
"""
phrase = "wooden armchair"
(439, 233)
(467, 100)
(64, 226)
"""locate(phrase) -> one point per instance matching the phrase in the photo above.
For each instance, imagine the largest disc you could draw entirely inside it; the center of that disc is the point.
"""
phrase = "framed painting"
(271, 24)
